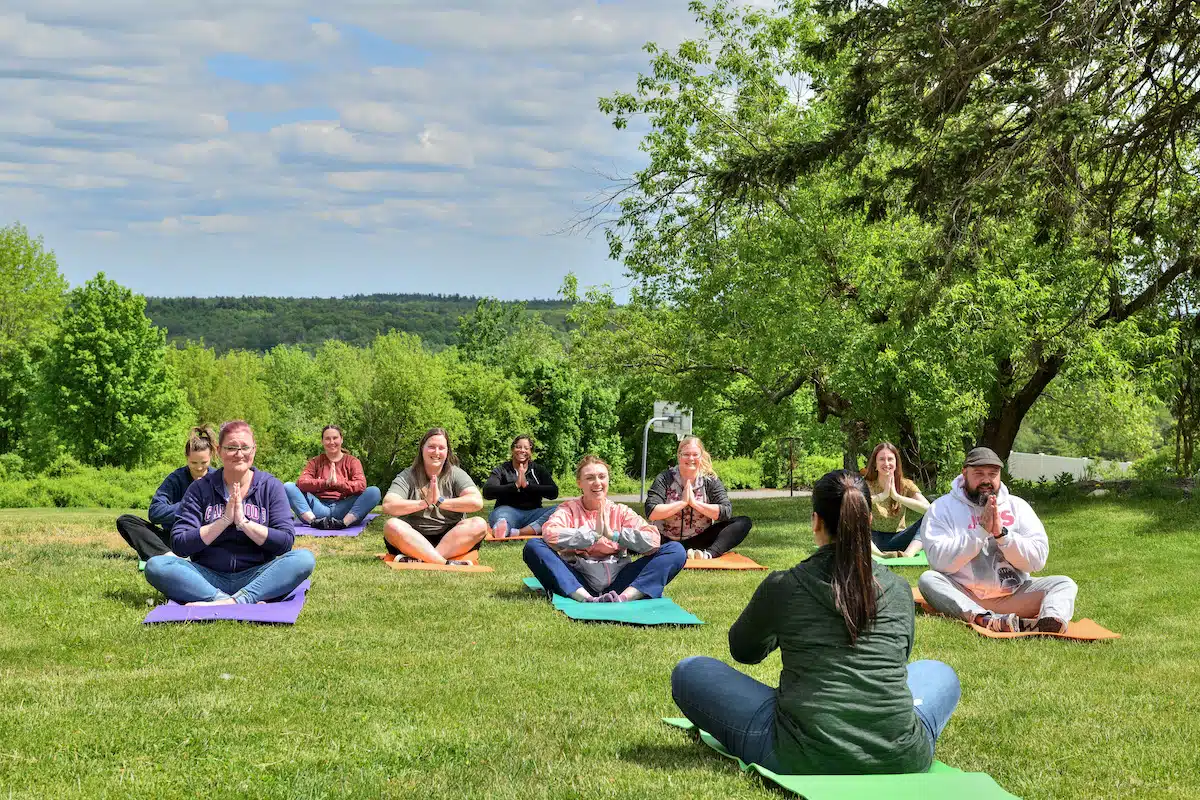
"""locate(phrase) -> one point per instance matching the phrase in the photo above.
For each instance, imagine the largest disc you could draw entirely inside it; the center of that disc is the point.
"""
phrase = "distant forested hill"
(260, 323)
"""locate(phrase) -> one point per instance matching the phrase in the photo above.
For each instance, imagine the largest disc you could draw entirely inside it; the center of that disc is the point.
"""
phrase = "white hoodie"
(959, 546)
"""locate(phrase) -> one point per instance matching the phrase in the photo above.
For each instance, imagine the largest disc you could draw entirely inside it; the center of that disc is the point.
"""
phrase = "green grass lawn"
(432, 685)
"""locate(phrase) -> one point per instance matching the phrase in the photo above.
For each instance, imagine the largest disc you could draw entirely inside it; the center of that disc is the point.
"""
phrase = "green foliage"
(261, 323)
(493, 410)
(408, 396)
(1155, 467)
(69, 484)
(1114, 420)
(109, 397)
(739, 473)
(31, 301)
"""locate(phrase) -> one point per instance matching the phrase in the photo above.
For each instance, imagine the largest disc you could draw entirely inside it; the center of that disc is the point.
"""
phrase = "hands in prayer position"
(603, 531)
(234, 513)
(430, 493)
(990, 519)
(522, 481)
(332, 480)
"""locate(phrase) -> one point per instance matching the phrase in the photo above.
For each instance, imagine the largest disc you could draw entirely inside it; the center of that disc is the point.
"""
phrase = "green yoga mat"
(919, 560)
(651, 611)
(942, 782)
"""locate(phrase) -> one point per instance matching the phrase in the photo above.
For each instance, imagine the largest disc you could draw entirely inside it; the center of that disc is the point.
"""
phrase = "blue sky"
(284, 148)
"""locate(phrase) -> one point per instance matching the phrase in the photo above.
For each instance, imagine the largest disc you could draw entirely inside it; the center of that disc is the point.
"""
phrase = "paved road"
(736, 494)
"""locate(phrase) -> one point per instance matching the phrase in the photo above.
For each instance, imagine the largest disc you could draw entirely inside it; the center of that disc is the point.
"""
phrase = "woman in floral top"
(689, 504)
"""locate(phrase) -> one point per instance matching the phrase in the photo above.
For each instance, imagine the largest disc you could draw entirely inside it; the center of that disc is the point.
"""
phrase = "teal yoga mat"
(919, 560)
(942, 782)
(651, 611)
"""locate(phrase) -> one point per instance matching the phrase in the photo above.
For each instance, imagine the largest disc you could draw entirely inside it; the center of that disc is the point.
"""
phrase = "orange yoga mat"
(472, 556)
(1084, 630)
(490, 538)
(727, 561)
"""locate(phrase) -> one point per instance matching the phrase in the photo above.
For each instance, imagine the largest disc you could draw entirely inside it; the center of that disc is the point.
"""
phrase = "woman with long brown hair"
(429, 503)
(848, 702)
(892, 495)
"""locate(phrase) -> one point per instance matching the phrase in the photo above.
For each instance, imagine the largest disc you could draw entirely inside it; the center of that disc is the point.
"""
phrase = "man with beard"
(982, 543)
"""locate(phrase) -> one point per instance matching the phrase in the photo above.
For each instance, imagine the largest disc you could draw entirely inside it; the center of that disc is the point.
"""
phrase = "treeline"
(261, 323)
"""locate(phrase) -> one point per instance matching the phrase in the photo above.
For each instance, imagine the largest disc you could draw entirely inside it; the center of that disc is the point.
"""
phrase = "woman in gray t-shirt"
(429, 502)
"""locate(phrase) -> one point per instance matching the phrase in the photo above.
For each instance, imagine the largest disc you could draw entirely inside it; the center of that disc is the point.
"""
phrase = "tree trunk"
(856, 431)
(1006, 413)
(923, 472)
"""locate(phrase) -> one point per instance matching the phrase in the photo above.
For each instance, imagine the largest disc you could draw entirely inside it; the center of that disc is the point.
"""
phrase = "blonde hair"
(706, 467)
(587, 461)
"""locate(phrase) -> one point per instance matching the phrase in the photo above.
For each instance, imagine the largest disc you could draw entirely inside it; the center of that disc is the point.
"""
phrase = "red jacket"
(350, 477)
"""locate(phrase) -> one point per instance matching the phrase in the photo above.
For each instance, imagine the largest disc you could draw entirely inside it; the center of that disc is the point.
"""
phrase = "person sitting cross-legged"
(152, 537)
(982, 543)
(233, 537)
(584, 550)
(518, 486)
(332, 493)
(688, 504)
(848, 701)
(429, 502)
(892, 495)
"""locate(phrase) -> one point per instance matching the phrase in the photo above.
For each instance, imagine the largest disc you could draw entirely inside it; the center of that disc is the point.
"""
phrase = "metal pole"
(645, 442)
(791, 467)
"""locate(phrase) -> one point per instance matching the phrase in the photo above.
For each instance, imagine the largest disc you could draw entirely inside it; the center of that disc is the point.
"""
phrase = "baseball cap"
(983, 457)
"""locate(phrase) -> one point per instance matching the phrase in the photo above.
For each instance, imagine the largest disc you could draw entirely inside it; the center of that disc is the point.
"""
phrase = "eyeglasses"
(246, 448)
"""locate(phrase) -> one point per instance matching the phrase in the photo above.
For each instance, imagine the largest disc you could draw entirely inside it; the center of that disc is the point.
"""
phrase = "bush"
(81, 487)
(1157, 467)
(739, 473)
(11, 466)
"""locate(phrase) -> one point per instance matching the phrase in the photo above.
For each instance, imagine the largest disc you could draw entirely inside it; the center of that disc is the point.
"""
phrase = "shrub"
(739, 473)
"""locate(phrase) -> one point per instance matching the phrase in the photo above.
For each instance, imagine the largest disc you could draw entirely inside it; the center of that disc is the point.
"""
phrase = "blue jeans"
(898, 540)
(185, 582)
(740, 712)
(649, 574)
(357, 504)
(518, 518)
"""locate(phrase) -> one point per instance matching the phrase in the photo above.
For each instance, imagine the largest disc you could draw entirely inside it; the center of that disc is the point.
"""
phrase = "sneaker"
(701, 554)
(320, 523)
(458, 562)
(334, 524)
(999, 623)
(402, 559)
(1049, 625)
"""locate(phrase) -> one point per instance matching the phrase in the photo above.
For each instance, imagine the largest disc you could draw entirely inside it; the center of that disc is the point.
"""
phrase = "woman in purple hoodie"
(232, 539)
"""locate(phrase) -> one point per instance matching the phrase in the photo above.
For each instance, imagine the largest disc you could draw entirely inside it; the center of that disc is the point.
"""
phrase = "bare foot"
(228, 601)
(501, 529)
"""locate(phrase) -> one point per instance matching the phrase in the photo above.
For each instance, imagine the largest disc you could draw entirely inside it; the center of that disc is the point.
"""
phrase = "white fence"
(1033, 466)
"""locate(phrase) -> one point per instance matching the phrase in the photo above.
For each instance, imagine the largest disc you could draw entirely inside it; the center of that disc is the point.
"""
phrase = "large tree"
(31, 300)
(109, 396)
(919, 211)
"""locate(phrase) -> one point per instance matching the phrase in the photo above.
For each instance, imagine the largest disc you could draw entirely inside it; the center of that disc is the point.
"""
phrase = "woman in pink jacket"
(584, 550)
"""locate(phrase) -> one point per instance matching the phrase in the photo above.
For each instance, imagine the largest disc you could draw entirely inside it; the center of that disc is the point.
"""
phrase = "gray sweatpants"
(1051, 596)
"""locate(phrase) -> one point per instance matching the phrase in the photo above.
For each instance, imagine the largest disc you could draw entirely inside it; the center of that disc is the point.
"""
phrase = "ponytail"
(842, 501)
(200, 438)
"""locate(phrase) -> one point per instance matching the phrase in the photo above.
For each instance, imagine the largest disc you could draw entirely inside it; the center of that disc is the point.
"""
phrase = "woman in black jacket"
(518, 486)
(689, 504)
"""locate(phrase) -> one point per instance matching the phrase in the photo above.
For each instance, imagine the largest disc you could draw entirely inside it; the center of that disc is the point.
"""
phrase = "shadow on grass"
(118, 555)
(519, 594)
(132, 598)
(686, 753)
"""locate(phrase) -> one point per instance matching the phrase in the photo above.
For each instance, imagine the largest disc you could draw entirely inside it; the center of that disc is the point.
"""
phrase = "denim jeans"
(648, 574)
(185, 582)
(740, 712)
(358, 504)
(517, 518)
(898, 540)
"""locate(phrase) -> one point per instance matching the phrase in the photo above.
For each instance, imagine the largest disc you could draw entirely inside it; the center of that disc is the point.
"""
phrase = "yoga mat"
(727, 561)
(942, 780)
(141, 565)
(649, 611)
(283, 612)
(919, 560)
(303, 529)
(1083, 630)
(472, 556)
(490, 538)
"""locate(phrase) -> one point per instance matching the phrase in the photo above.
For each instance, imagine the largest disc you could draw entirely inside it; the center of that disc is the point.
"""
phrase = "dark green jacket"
(842, 708)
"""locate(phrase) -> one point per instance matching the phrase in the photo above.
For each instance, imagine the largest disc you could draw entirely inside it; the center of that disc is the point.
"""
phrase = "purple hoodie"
(233, 551)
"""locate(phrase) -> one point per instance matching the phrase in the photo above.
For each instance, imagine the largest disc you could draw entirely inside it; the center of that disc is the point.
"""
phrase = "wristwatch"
(440, 500)
(1003, 533)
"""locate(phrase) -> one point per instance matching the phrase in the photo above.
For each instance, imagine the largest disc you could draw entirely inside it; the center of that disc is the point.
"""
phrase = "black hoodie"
(842, 708)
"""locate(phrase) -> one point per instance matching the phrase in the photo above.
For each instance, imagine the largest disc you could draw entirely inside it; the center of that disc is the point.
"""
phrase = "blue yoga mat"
(651, 611)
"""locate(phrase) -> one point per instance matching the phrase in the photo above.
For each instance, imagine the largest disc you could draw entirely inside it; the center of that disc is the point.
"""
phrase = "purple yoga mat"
(302, 528)
(283, 612)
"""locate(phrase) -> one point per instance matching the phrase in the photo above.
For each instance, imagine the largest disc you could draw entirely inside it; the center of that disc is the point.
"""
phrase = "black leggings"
(146, 538)
(720, 537)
